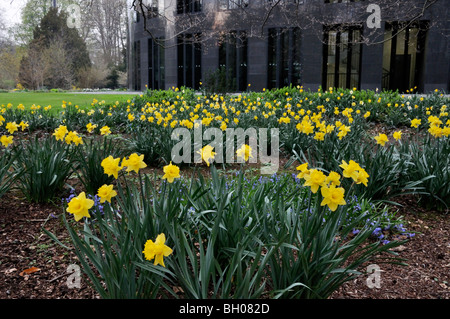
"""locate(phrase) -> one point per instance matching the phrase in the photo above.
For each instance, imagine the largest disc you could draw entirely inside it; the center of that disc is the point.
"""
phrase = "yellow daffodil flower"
(315, 179)
(397, 135)
(171, 172)
(91, 127)
(105, 130)
(11, 127)
(244, 152)
(303, 170)
(332, 196)
(111, 166)
(106, 192)
(135, 162)
(207, 154)
(350, 170)
(6, 140)
(415, 123)
(157, 250)
(79, 206)
(333, 178)
(60, 132)
(381, 139)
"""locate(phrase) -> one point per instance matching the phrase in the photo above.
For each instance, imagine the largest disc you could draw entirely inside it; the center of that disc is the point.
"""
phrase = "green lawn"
(56, 99)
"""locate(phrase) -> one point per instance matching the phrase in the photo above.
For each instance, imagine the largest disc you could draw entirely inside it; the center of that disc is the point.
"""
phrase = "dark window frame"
(233, 56)
(339, 29)
(284, 57)
(388, 78)
(137, 65)
(189, 6)
(189, 60)
(156, 64)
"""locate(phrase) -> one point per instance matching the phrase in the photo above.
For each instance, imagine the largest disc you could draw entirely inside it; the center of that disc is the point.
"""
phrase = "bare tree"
(10, 57)
(109, 19)
(217, 17)
(2, 29)
(57, 65)
(32, 70)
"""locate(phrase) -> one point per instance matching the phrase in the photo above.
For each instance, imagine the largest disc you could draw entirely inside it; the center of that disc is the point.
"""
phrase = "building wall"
(257, 66)
(436, 67)
(312, 60)
(372, 62)
(437, 62)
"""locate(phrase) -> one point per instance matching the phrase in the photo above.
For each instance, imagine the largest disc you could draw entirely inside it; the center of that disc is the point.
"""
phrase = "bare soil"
(33, 266)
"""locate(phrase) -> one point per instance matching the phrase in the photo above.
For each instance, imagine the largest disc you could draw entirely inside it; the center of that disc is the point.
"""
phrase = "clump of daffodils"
(112, 166)
(63, 134)
(333, 194)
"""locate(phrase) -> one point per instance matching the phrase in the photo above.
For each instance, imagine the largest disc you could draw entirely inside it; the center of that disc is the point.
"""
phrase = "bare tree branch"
(260, 15)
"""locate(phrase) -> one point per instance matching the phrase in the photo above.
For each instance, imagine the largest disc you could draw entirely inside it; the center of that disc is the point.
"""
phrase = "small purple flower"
(377, 230)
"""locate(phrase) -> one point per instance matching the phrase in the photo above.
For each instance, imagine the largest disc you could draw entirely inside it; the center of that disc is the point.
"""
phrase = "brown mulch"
(33, 266)
(426, 274)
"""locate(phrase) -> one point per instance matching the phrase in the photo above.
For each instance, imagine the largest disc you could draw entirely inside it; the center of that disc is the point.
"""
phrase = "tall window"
(156, 64)
(284, 57)
(233, 55)
(189, 60)
(137, 65)
(342, 58)
(403, 56)
(189, 6)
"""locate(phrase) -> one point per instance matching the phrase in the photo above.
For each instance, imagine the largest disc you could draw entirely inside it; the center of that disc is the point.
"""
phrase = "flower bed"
(301, 232)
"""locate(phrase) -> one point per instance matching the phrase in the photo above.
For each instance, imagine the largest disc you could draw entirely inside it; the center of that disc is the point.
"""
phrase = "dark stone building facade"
(379, 44)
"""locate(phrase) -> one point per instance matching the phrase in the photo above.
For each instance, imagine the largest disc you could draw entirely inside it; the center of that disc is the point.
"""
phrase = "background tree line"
(44, 51)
